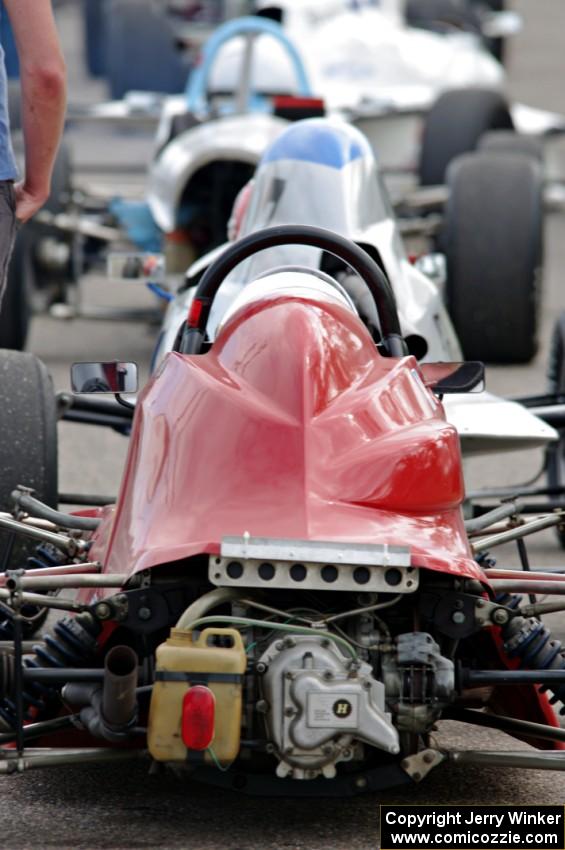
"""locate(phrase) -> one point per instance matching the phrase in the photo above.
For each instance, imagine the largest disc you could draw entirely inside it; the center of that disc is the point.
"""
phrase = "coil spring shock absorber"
(73, 643)
(45, 555)
(530, 641)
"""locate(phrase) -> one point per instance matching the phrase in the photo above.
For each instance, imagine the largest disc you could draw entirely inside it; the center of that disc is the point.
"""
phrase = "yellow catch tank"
(215, 660)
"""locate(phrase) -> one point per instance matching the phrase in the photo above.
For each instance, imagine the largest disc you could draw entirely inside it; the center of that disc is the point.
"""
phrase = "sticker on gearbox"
(333, 711)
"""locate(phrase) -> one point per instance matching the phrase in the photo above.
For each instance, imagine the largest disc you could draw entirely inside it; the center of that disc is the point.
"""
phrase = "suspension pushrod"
(515, 533)
(549, 760)
(472, 678)
(65, 581)
(549, 588)
(511, 725)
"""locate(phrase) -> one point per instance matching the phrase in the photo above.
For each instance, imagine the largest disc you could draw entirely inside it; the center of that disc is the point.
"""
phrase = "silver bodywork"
(352, 201)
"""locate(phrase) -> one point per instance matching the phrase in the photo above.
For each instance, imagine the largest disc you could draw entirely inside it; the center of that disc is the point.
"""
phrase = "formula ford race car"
(285, 588)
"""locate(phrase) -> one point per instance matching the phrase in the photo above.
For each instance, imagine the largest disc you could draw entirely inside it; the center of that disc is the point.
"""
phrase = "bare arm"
(43, 83)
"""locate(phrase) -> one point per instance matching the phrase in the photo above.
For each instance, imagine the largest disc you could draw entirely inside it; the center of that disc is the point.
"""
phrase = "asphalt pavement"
(127, 808)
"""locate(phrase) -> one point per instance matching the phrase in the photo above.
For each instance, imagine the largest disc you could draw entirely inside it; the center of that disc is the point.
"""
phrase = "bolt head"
(261, 667)
(144, 613)
(428, 758)
(103, 611)
(500, 617)
(458, 617)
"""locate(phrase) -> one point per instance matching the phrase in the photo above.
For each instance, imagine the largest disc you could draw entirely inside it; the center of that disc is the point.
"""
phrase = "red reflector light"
(198, 717)
(194, 313)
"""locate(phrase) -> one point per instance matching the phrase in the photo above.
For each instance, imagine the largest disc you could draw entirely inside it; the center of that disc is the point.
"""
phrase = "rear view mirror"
(443, 378)
(111, 377)
(148, 268)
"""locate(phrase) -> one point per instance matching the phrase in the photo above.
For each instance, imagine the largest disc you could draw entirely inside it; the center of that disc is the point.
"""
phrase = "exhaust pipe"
(119, 701)
(109, 711)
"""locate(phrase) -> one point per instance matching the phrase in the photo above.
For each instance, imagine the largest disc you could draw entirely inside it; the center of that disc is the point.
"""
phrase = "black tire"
(94, 22)
(555, 455)
(454, 126)
(15, 310)
(493, 241)
(141, 50)
(442, 15)
(28, 425)
(509, 142)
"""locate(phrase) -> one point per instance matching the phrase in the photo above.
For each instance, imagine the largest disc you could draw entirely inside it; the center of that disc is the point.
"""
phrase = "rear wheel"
(28, 449)
(454, 126)
(493, 243)
(141, 50)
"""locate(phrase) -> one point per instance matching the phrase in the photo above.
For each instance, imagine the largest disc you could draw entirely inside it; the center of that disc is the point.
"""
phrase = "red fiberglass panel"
(292, 426)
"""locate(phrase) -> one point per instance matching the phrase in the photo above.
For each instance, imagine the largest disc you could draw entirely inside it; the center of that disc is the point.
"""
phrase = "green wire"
(281, 627)
(214, 758)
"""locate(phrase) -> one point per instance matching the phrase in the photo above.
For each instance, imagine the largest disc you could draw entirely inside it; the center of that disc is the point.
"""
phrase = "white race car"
(323, 172)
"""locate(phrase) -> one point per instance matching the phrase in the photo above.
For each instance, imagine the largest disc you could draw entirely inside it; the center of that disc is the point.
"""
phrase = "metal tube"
(61, 541)
(519, 575)
(62, 675)
(496, 515)
(7, 646)
(91, 568)
(540, 608)
(35, 522)
(45, 601)
(472, 678)
(66, 581)
(10, 762)
(515, 533)
(38, 509)
(119, 698)
(512, 725)
(44, 727)
(550, 588)
(549, 760)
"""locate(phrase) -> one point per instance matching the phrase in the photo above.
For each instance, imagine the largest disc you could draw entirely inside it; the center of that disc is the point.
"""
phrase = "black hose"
(38, 509)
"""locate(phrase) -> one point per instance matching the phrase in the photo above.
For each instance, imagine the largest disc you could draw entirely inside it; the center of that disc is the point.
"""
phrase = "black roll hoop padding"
(315, 237)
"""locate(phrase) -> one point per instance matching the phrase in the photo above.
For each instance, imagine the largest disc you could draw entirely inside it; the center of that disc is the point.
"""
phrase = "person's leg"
(8, 229)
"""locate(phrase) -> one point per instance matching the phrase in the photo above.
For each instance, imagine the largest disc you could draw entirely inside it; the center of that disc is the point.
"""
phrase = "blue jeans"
(8, 229)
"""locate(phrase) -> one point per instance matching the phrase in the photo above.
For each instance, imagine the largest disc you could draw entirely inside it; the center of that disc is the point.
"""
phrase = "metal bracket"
(490, 614)
(420, 764)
